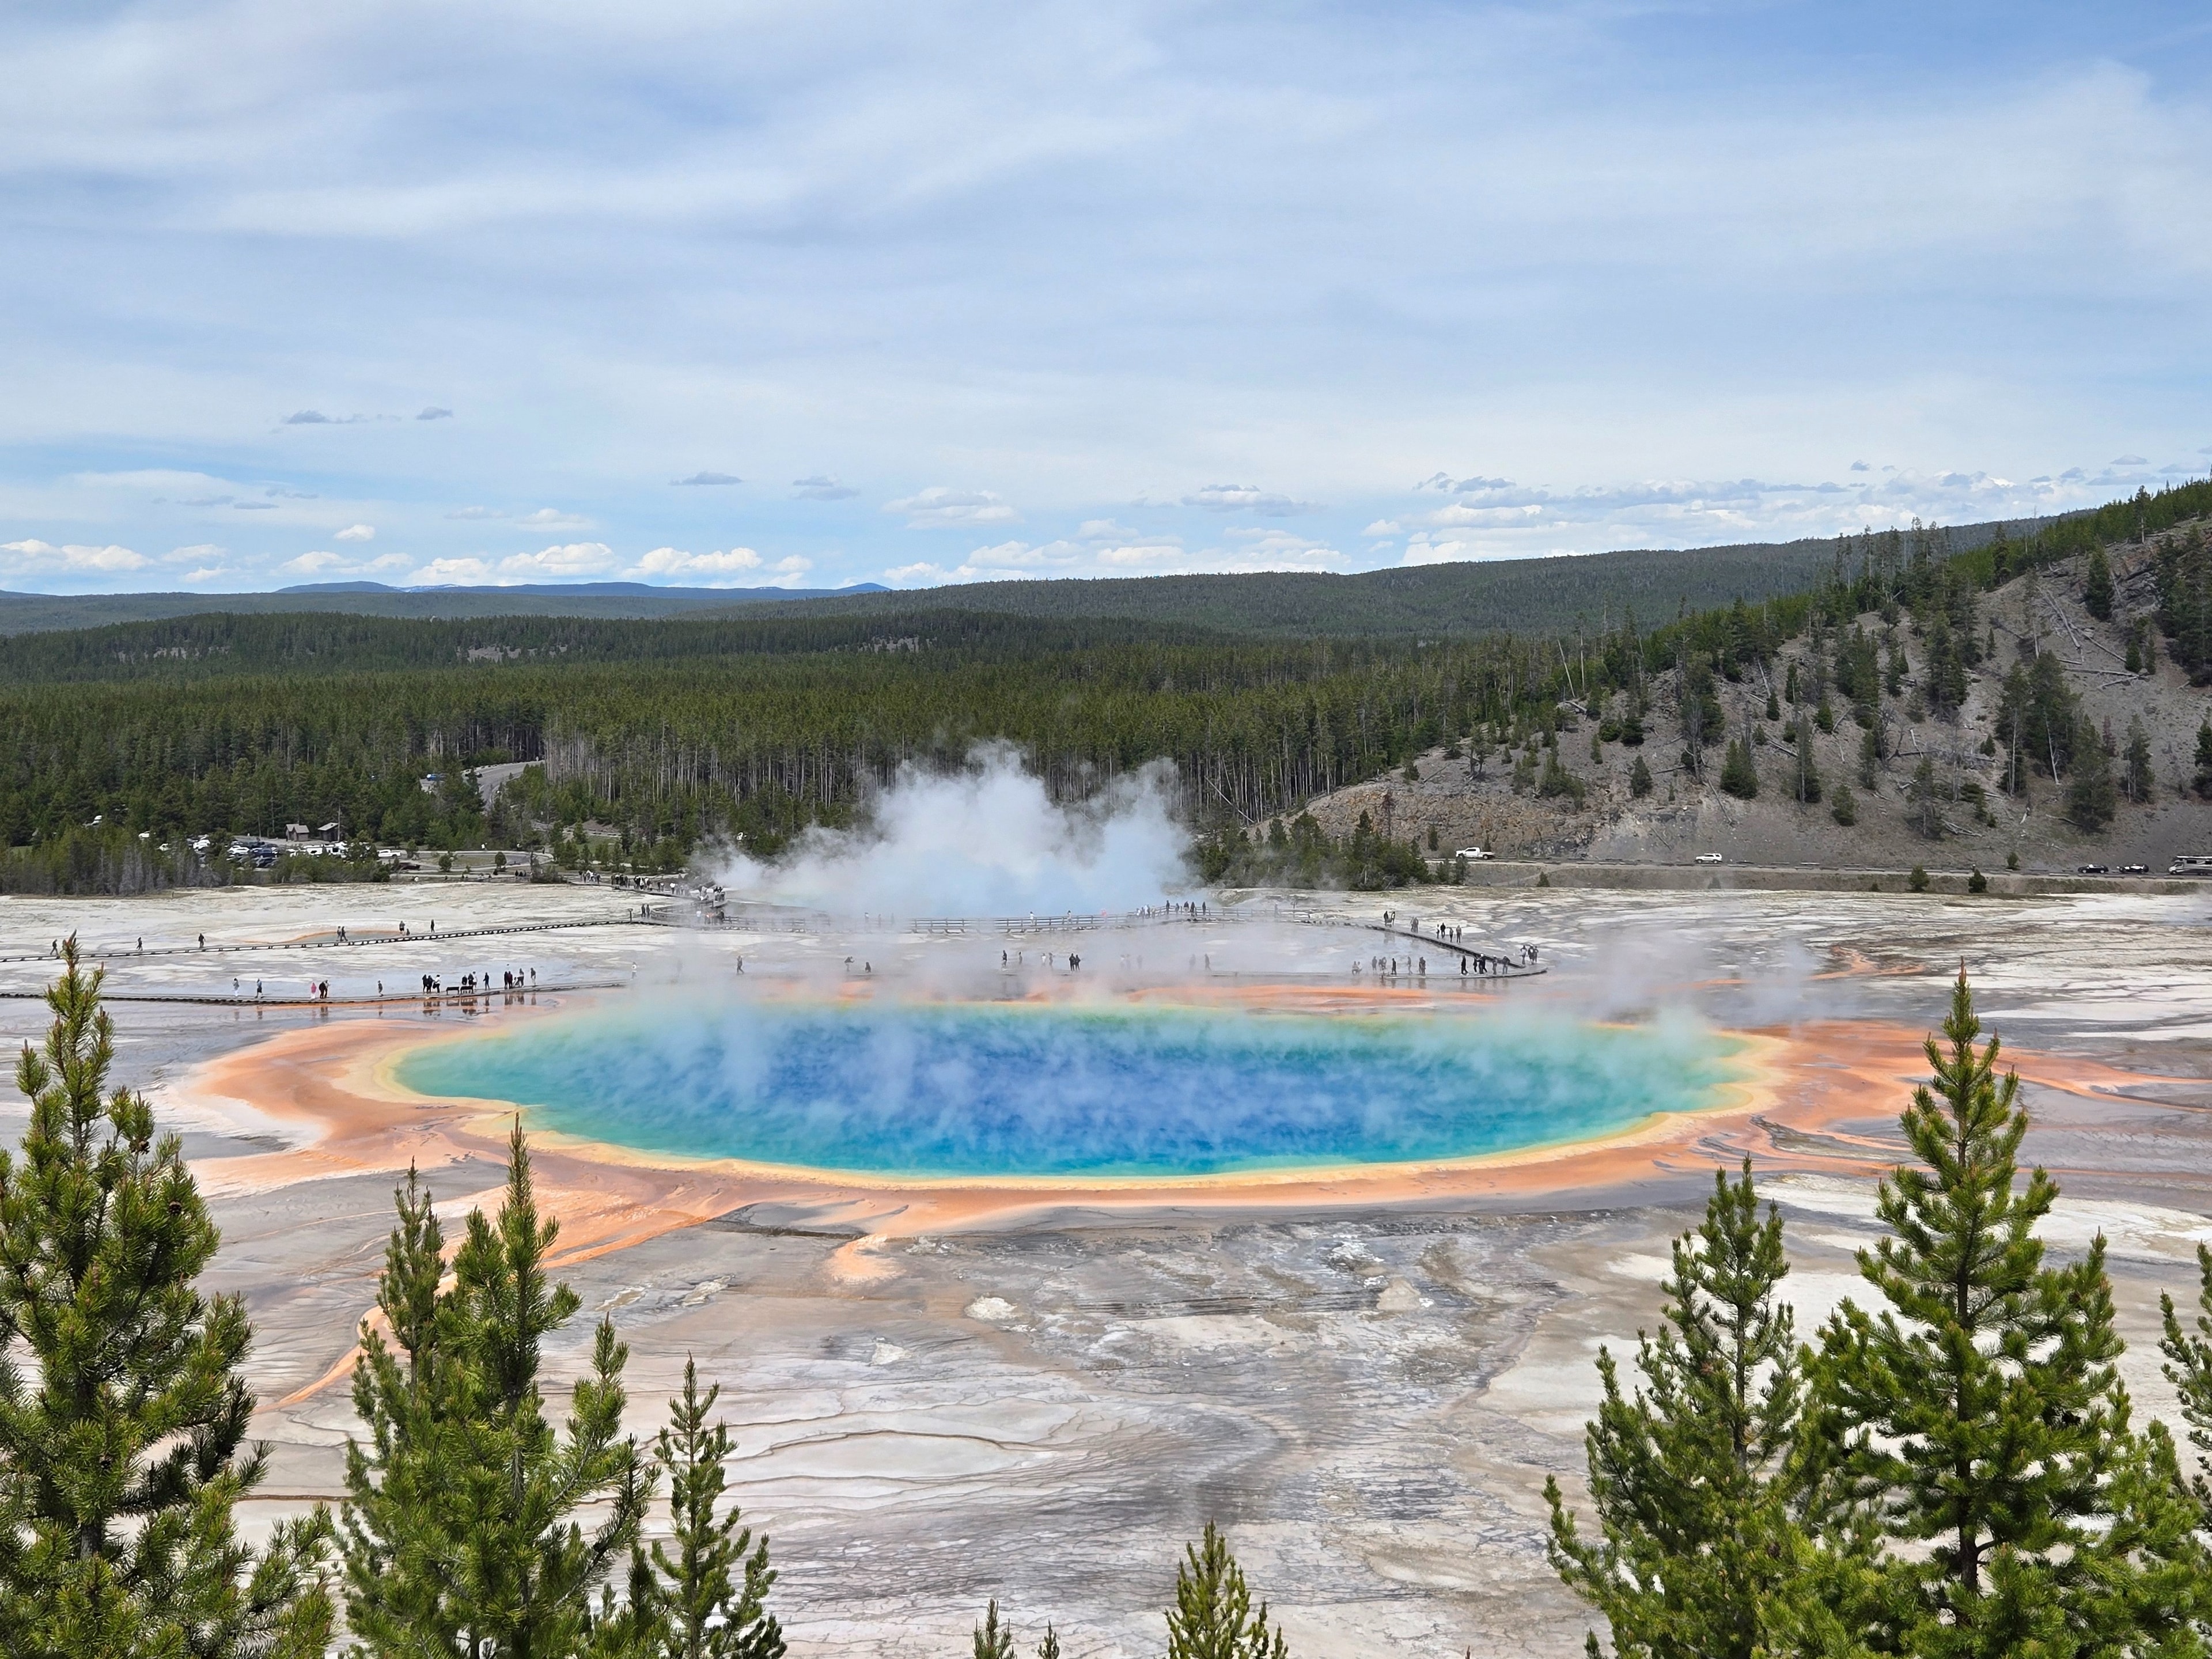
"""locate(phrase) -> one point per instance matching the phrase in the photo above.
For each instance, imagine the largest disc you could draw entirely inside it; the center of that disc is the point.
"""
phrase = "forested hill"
(221, 645)
(1519, 596)
(24, 613)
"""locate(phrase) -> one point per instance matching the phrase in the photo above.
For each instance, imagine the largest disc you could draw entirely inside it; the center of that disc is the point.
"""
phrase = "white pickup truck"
(1472, 853)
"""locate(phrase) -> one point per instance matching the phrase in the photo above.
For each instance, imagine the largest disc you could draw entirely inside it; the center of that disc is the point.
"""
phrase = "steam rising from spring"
(985, 841)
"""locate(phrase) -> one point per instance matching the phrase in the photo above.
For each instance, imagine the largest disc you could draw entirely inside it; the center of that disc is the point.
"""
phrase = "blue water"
(968, 1088)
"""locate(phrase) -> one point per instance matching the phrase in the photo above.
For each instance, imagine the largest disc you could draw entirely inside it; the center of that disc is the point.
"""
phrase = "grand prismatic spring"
(978, 1089)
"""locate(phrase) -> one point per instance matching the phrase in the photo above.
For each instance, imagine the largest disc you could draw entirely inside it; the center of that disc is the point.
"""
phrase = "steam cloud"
(986, 842)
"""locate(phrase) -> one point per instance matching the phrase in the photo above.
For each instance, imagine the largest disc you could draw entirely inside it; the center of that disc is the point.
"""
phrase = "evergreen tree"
(1805, 773)
(2097, 585)
(1213, 1617)
(2203, 783)
(1845, 808)
(2092, 796)
(461, 1521)
(1869, 758)
(1739, 776)
(2189, 1368)
(1639, 779)
(122, 1417)
(1979, 1419)
(1691, 1479)
(1049, 1648)
(993, 1639)
(708, 1598)
(1926, 809)
(2137, 774)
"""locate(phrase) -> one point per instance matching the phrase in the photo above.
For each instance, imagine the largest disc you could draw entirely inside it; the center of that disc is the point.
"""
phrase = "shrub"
(1918, 881)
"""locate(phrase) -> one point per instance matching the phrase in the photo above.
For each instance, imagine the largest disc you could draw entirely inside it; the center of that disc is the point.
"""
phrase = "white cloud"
(318, 564)
(822, 487)
(552, 517)
(939, 508)
(451, 572)
(565, 563)
(476, 513)
(357, 532)
(2128, 460)
(432, 412)
(198, 552)
(921, 574)
(205, 573)
(694, 569)
(33, 554)
(1244, 498)
(709, 478)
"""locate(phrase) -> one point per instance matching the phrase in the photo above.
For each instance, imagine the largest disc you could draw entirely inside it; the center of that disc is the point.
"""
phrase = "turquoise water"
(968, 1088)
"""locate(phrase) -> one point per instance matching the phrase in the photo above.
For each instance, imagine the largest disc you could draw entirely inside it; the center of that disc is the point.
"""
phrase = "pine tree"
(2138, 775)
(1690, 1478)
(1049, 1648)
(2092, 796)
(2203, 783)
(708, 1598)
(122, 1417)
(1739, 776)
(1213, 1617)
(461, 1523)
(2097, 585)
(1979, 1419)
(994, 1640)
(1639, 779)
(2189, 1368)
(1845, 808)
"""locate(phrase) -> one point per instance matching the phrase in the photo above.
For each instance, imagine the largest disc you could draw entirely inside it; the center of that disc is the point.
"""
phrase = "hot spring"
(940, 1090)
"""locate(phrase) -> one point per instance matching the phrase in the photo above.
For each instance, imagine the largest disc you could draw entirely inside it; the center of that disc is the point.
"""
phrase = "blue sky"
(742, 294)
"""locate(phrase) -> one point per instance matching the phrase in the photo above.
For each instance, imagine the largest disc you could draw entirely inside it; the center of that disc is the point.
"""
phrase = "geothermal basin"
(1014, 1278)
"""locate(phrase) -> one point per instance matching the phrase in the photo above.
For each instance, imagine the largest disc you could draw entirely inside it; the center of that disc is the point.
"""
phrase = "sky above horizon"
(742, 295)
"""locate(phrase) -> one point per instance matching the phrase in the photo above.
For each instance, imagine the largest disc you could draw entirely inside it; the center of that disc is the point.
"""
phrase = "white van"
(2190, 864)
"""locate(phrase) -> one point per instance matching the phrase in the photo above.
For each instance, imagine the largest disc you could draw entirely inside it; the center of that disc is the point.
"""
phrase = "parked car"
(2091, 870)
(1709, 858)
(2134, 869)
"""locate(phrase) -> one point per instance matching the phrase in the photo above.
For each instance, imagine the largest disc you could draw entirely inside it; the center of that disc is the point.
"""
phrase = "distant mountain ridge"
(38, 613)
(1463, 598)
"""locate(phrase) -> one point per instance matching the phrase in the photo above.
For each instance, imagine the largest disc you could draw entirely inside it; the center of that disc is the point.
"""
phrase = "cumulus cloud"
(205, 574)
(822, 487)
(565, 563)
(2127, 460)
(453, 573)
(700, 569)
(197, 553)
(940, 508)
(552, 517)
(1244, 498)
(709, 478)
(318, 564)
(1861, 466)
(33, 554)
(433, 413)
(357, 532)
(1445, 481)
